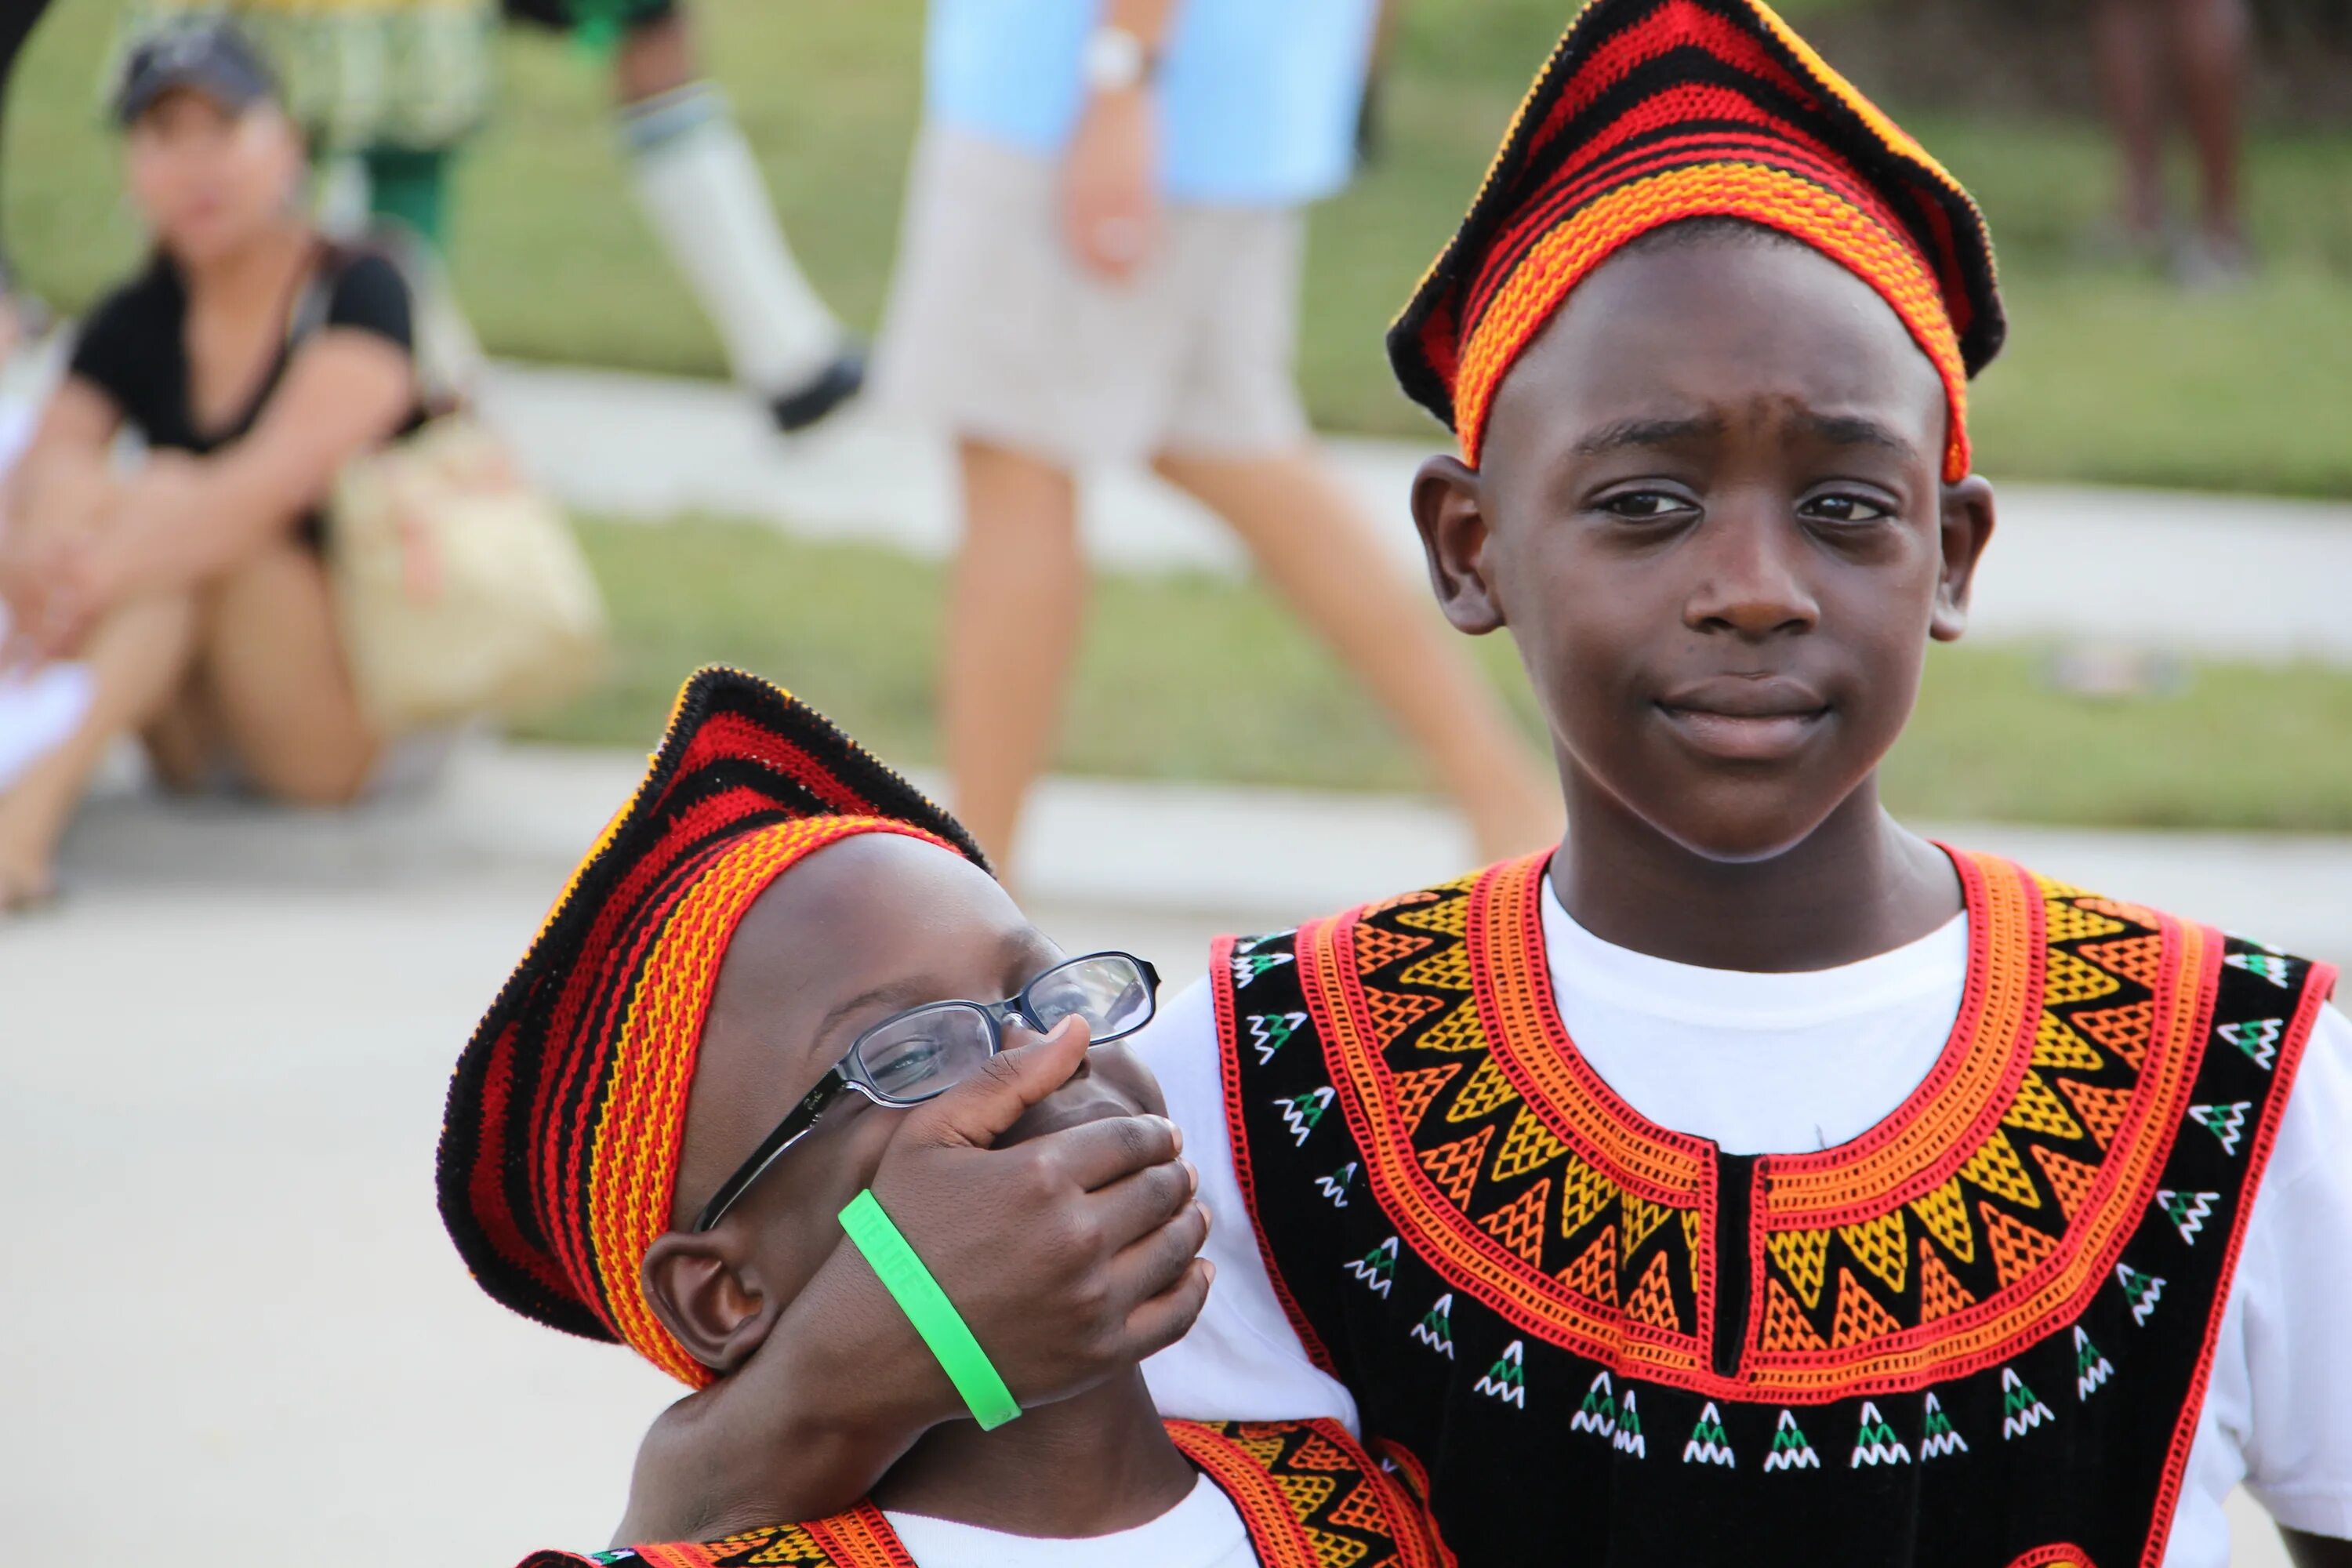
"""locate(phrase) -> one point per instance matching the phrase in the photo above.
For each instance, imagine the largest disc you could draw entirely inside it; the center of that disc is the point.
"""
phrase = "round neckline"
(1751, 999)
(1902, 1152)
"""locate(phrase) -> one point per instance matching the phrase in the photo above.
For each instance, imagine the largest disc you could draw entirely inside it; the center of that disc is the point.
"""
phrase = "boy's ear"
(701, 1290)
(1966, 528)
(1449, 508)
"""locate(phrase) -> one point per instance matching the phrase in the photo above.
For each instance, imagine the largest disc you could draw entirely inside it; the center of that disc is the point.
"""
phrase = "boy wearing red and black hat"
(1750, 1180)
(785, 1053)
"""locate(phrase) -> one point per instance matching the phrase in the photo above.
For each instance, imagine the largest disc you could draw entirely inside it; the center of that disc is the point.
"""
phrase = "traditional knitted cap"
(1651, 112)
(559, 1153)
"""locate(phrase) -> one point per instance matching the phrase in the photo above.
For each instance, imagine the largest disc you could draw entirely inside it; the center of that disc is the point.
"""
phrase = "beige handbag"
(460, 590)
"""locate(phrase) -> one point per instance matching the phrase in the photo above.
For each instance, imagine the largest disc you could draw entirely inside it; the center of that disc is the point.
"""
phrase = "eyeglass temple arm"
(789, 1131)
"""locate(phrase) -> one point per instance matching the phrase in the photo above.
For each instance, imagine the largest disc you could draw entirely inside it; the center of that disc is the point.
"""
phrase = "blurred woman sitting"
(255, 359)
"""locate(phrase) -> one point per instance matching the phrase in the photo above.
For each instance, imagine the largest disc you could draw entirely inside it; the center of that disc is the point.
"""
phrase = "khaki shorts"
(994, 332)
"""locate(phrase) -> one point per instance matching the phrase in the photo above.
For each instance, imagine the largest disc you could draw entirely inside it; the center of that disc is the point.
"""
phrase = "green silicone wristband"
(928, 1308)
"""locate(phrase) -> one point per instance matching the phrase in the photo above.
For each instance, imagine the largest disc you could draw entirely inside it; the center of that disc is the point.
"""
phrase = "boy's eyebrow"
(891, 990)
(1854, 430)
(1647, 433)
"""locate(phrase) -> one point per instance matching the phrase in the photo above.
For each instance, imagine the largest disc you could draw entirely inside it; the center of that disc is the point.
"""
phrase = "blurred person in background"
(19, 318)
(392, 88)
(1100, 263)
(702, 192)
(193, 590)
(2152, 54)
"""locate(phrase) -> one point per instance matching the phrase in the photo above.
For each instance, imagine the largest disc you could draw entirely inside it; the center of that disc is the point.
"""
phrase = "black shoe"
(834, 385)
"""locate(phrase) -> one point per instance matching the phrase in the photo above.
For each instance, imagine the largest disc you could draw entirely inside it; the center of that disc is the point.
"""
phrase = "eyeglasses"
(914, 1056)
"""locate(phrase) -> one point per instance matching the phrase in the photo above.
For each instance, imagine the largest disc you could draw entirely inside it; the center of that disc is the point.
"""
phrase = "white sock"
(699, 186)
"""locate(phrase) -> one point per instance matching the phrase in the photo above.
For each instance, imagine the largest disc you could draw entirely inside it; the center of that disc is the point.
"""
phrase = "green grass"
(2112, 374)
(1207, 679)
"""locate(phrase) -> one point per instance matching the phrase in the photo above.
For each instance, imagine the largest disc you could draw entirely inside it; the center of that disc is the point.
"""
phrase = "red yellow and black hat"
(559, 1153)
(1652, 111)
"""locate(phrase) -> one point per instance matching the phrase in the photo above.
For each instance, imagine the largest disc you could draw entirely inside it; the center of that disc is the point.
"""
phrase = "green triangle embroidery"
(1505, 1380)
(2227, 1122)
(1300, 1112)
(1269, 1032)
(1709, 1443)
(2021, 1409)
(1790, 1451)
(2187, 1211)
(1938, 1438)
(1248, 966)
(1876, 1442)
(2272, 967)
(2140, 1290)
(1377, 1268)
(2259, 1039)
(1599, 1411)
(1436, 1329)
(2091, 1368)
(1628, 1430)
(1334, 1185)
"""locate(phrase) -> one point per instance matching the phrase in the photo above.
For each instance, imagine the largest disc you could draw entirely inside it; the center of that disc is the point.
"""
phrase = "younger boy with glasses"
(755, 1073)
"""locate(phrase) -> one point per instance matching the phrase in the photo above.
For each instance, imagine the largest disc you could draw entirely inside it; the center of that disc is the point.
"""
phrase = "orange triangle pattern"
(1415, 1089)
(1940, 1295)
(2016, 1248)
(1593, 1276)
(1359, 1509)
(2102, 1110)
(1394, 1012)
(1334, 1551)
(1520, 1224)
(2139, 959)
(1652, 1300)
(2069, 1177)
(1860, 1317)
(2138, 914)
(1377, 947)
(2123, 1030)
(1319, 1453)
(1785, 1328)
(1454, 1166)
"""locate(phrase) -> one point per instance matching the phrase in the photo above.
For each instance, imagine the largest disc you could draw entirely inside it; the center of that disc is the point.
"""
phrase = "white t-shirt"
(1201, 1531)
(1792, 1063)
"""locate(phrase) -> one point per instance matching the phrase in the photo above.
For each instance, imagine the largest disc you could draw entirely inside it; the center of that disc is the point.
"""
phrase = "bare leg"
(138, 660)
(653, 58)
(1314, 544)
(276, 681)
(1014, 613)
(2209, 46)
(2124, 39)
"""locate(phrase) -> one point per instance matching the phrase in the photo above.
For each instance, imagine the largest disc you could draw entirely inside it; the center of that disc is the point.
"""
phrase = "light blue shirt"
(1258, 98)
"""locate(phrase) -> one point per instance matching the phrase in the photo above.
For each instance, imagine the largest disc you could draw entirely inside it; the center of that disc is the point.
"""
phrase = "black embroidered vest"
(1975, 1337)
(1309, 1495)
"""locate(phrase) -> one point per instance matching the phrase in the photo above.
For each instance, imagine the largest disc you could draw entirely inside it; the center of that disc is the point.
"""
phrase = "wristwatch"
(1116, 60)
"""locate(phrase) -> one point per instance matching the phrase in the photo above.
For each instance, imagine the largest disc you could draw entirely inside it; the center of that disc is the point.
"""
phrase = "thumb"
(977, 1111)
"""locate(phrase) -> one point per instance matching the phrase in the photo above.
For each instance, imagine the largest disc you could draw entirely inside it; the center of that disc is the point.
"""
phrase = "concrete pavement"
(2232, 576)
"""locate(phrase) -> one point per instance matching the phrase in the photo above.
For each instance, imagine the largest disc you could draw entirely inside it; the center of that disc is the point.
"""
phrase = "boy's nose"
(1751, 582)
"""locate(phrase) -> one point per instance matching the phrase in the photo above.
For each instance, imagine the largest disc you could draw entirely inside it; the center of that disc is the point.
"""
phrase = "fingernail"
(1207, 1219)
(1191, 1176)
(1209, 1271)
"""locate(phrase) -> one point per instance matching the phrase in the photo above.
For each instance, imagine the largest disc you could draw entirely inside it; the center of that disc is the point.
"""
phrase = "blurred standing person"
(1100, 262)
(2204, 45)
(702, 192)
(193, 590)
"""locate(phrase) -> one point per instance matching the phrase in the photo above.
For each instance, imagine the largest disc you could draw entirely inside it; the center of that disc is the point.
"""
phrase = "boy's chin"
(1747, 831)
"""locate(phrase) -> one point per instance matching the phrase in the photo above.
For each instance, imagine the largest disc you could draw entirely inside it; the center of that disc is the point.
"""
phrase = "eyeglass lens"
(1110, 992)
(932, 1050)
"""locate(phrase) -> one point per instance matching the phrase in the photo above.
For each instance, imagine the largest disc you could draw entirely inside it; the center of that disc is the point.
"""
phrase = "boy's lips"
(1749, 719)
